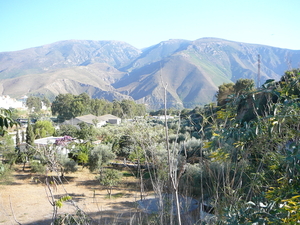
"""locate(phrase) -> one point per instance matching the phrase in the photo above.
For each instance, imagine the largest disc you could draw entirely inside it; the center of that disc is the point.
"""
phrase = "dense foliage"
(251, 168)
(67, 106)
(35, 103)
(43, 128)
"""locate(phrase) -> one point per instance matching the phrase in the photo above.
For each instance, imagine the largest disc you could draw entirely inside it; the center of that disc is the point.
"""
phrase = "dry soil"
(24, 200)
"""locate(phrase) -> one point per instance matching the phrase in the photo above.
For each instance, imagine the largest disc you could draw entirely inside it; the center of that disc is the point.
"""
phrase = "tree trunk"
(24, 164)
(141, 179)
(173, 184)
(109, 192)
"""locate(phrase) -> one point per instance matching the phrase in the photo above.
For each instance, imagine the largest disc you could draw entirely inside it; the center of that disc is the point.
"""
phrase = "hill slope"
(191, 70)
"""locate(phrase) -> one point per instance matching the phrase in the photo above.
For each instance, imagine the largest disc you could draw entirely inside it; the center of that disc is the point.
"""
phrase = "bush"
(67, 165)
(5, 173)
(99, 157)
(37, 167)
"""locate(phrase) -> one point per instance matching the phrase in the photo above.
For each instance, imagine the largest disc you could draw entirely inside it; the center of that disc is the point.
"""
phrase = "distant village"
(7, 102)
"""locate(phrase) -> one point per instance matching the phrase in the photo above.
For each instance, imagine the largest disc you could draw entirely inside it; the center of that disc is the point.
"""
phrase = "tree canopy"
(67, 106)
(43, 128)
(226, 90)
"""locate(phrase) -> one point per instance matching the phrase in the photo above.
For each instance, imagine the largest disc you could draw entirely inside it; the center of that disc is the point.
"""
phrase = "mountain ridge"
(192, 70)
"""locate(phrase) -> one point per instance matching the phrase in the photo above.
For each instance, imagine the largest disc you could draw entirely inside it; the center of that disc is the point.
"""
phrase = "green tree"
(87, 132)
(117, 109)
(85, 99)
(80, 105)
(37, 167)
(29, 152)
(7, 148)
(67, 130)
(30, 137)
(46, 102)
(80, 152)
(243, 86)
(62, 106)
(97, 106)
(43, 128)
(128, 108)
(140, 110)
(67, 165)
(100, 156)
(17, 138)
(5, 173)
(224, 91)
(289, 85)
(110, 179)
(126, 146)
(23, 136)
(108, 108)
(34, 103)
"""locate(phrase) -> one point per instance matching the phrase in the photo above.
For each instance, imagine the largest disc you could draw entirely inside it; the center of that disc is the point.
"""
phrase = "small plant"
(110, 179)
(79, 218)
(59, 202)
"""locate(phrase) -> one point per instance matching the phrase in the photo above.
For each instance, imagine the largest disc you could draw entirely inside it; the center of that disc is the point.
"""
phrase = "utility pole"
(258, 71)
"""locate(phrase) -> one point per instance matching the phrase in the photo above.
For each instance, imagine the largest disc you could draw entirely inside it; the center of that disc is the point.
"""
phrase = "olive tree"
(110, 179)
(100, 156)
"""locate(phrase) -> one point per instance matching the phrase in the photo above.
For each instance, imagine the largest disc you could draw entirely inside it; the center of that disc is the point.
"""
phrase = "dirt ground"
(24, 201)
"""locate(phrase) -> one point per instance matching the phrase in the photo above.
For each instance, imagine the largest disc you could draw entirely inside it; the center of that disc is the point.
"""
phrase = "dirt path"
(26, 199)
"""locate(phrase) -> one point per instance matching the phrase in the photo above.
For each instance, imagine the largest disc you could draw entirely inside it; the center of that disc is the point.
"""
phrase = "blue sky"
(142, 23)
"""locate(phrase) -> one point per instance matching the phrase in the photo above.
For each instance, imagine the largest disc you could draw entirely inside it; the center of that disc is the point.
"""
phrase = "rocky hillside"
(191, 71)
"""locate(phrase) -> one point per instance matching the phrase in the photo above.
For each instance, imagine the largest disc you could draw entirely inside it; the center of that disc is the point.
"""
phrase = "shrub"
(37, 167)
(5, 173)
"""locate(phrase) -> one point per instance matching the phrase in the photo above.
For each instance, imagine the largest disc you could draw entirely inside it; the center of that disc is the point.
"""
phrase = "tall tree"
(34, 103)
(29, 134)
(29, 152)
(99, 157)
(86, 132)
(81, 105)
(128, 108)
(46, 101)
(117, 109)
(61, 106)
(23, 136)
(17, 138)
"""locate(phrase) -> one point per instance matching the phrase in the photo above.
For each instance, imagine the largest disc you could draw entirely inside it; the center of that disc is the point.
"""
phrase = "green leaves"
(110, 178)
(43, 128)
(5, 119)
(59, 203)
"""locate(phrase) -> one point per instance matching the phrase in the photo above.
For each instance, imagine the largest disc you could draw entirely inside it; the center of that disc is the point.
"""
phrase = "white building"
(50, 141)
(7, 102)
(110, 119)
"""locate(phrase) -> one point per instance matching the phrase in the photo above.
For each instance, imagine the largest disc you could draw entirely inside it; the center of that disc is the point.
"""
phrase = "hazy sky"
(142, 23)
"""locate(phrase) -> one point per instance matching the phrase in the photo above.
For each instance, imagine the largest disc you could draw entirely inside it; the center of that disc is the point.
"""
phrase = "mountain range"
(189, 72)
